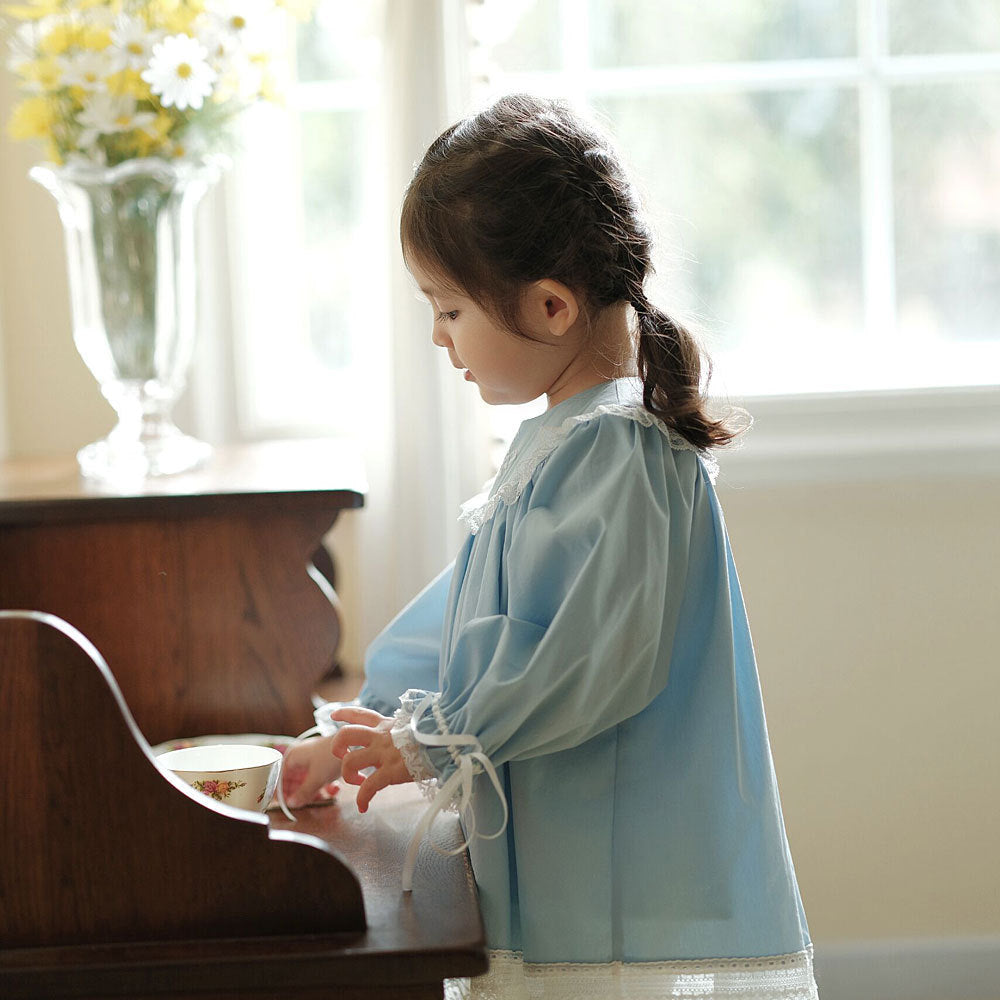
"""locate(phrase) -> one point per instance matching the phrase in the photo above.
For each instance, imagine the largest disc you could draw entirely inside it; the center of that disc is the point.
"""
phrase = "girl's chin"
(497, 397)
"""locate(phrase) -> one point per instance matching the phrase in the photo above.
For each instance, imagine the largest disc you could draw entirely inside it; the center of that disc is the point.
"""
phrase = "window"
(307, 237)
(823, 175)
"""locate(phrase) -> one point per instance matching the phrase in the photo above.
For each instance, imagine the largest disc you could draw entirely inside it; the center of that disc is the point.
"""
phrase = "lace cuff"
(414, 757)
(466, 755)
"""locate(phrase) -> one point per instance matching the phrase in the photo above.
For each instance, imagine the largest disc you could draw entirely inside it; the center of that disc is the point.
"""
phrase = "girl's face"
(506, 368)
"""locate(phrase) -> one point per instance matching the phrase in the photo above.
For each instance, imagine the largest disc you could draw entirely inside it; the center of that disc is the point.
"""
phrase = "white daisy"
(132, 44)
(88, 69)
(107, 114)
(23, 46)
(179, 72)
(240, 77)
(253, 25)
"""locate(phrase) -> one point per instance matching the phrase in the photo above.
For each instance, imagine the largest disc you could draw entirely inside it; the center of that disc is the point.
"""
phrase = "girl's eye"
(451, 314)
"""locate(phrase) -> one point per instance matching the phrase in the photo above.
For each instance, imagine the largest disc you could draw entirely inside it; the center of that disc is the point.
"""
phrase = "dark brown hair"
(528, 190)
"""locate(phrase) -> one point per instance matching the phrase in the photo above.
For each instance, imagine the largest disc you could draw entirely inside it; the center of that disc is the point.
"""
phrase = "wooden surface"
(119, 881)
(198, 589)
(263, 470)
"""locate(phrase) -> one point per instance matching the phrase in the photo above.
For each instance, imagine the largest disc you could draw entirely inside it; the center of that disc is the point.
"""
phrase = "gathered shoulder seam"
(515, 473)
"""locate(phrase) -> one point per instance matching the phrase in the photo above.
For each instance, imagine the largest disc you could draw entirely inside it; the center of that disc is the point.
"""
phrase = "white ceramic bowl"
(238, 774)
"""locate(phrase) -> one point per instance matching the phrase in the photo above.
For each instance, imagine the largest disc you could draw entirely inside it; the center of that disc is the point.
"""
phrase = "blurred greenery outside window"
(822, 176)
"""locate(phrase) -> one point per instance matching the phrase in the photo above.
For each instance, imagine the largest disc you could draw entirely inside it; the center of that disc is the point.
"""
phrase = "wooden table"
(118, 880)
(198, 589)
(183, 607)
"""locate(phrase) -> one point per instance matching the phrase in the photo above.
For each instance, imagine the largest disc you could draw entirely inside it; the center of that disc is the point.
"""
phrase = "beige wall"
(873, 608)
(53, 404)
(874, 613)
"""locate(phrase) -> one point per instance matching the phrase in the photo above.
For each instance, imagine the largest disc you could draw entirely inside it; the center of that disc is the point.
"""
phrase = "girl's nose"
(439, 337)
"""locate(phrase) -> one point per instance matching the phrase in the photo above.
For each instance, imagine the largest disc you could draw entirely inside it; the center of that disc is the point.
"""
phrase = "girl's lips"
(469, 377)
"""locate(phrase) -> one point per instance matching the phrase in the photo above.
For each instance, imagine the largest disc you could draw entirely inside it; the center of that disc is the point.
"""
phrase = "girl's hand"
(367, 743)
(307, 769)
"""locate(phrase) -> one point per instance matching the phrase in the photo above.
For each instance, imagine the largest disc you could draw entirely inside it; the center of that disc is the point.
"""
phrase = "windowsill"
(867, 437)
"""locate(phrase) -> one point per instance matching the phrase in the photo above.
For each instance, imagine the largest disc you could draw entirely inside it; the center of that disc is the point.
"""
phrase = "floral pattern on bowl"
(220, 790)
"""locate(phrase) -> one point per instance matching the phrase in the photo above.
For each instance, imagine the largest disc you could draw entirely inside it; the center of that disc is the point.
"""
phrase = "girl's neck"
(606, 353)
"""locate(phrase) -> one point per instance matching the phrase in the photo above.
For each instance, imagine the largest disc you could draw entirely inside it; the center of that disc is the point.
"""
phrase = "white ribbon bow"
(458, 785)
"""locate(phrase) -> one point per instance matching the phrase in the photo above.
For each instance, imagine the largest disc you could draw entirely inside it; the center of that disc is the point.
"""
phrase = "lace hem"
(776, 977)
(516, 475)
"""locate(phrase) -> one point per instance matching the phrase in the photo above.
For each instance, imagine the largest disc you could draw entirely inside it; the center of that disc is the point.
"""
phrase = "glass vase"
(130, 249)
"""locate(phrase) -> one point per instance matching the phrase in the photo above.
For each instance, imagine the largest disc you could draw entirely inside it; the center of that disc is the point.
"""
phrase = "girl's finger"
(351, 736)
(306, 767)
(372, 784)
(292, 777)
(356, 714)
(358, 760)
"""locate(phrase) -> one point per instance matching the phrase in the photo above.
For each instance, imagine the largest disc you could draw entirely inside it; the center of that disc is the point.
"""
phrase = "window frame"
(854, 434)
(864, 437)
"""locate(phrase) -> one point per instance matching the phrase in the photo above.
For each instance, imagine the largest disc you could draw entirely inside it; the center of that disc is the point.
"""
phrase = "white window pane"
(946, 141)
(756, 205)
(340, 41)
(333, 147)
(516, 35)
(652, 32)
(308, 237)
(922, 26)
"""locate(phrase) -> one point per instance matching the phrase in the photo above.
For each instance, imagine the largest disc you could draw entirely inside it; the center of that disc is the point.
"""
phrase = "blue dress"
(590, 646)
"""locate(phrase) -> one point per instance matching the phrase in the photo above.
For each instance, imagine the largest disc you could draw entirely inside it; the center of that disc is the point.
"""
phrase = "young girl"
(580, 682)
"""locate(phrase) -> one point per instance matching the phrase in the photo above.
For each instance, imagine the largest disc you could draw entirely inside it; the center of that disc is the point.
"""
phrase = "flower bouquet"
(135, 102)
(106, 81)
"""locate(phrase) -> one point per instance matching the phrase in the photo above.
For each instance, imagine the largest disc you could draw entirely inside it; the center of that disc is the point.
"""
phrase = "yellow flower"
(35, 9)
(129, 83)
(160, 128)
(94, 38)
(58, 40)
(146, 145)
(32, 119)
(43, 72)
(176, 16)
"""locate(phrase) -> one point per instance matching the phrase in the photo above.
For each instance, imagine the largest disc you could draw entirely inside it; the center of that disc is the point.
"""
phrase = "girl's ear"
(553, 306)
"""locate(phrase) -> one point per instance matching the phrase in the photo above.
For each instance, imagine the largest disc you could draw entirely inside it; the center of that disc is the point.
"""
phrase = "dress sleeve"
(406, 654)
(597, 555)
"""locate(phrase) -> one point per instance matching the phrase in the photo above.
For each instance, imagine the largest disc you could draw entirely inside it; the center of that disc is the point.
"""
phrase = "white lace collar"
(516, 470)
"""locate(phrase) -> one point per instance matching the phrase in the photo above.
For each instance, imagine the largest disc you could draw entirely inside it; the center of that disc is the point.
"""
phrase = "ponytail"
(669, 362)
